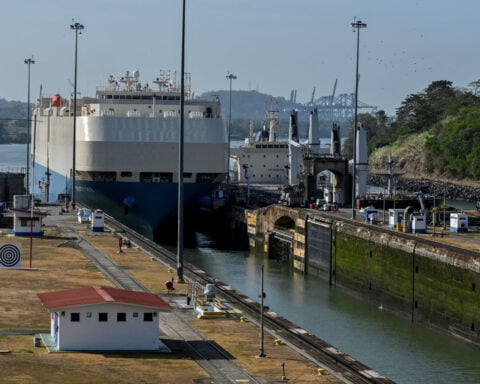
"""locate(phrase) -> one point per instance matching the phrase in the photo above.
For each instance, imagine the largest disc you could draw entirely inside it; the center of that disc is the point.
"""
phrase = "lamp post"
(28, 61)
(357, 25)
(262, 297)
(77, 27)
(230, 76)
(180, 158)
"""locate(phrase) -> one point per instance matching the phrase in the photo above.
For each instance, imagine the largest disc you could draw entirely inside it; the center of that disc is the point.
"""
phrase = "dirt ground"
(59, 266)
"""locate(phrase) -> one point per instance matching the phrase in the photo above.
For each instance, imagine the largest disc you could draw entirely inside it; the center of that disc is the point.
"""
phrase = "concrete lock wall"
(403, 274)
(427, 284)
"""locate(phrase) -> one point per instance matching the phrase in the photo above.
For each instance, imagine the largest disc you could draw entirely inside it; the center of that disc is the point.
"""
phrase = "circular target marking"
(9, 255)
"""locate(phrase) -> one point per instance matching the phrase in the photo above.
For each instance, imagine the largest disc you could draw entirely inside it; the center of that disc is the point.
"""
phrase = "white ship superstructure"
(127, 148)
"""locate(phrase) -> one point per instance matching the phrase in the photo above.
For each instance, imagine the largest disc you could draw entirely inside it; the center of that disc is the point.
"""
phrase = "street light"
(230, 76)
(28, 61)
(181, 157)
(78, 28)
(357, 25)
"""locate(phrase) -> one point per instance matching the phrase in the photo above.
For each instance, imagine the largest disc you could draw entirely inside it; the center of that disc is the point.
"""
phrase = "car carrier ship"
(127, 149)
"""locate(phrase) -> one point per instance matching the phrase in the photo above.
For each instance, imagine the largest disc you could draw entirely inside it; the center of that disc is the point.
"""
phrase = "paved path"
(175, 328)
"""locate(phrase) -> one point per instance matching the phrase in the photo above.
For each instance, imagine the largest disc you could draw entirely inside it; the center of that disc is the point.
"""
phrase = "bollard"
(321, 371)
(243, 319)
(284, 376)
(278, 342)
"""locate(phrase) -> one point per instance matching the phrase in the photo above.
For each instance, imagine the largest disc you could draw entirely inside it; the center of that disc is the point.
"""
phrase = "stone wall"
(452, 191)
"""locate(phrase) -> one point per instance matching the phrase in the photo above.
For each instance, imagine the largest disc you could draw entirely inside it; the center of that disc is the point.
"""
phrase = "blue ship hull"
(141, 206)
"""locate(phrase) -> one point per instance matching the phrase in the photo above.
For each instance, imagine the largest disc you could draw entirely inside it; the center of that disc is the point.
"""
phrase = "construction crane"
(332, 99)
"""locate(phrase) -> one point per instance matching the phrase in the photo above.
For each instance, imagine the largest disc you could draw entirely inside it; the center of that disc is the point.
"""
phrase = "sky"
(272, 46)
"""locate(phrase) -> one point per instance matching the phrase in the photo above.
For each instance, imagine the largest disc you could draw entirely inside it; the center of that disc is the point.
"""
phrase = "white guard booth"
(395, 217)
(26, 220)
(419, 224)
(98, 220)
(458, 222)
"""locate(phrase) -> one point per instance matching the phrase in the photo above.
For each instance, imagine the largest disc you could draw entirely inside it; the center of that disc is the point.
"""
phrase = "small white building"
(26, 220)
(103, 318)
(98, 220)
(458, 222)
(395, 217)
(419, 224)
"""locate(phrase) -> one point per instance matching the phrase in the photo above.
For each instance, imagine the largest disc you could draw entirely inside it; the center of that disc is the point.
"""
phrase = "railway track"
(220, 366)
(340, 364)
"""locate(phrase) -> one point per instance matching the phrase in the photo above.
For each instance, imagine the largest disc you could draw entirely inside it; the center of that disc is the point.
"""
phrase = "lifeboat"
(56, 101)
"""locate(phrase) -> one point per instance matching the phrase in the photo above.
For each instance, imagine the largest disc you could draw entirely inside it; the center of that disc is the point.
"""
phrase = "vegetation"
(436, 132)
(13, 126)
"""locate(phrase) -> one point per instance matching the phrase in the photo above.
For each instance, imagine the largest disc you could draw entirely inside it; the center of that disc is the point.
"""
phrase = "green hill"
(436, 133)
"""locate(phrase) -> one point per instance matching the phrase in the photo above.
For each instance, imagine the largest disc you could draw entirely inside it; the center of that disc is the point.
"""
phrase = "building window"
(103, 316)
(135, 314)
(89, 314)
(148, 316)
(74, 316)
(121, 316)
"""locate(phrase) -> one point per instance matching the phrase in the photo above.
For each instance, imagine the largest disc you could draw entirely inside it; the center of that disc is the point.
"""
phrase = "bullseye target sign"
(10, 255)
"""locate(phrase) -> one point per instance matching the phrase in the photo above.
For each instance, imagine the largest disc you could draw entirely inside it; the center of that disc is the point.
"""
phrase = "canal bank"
(428, 279)
(232, 353)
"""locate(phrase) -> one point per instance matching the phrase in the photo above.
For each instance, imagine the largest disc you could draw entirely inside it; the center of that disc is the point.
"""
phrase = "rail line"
(221, 367)
(340, 364)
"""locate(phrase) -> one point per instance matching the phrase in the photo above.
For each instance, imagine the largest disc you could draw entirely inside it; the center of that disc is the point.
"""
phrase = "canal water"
(393, 346)
(404, 352)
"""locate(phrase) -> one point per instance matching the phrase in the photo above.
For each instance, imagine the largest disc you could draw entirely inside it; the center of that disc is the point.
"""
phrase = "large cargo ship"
(127, 149)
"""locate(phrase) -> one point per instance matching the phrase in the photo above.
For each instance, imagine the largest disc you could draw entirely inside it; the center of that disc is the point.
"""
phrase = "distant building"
(102, 319)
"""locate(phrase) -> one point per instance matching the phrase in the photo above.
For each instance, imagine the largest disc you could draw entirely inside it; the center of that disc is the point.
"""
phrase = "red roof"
(98, 295)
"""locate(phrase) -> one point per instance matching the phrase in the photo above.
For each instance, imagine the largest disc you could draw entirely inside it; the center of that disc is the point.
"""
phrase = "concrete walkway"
(175, 331)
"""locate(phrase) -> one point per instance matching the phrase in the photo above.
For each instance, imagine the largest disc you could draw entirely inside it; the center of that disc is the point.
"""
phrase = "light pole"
(28, 61)
(180, 158)
(78, 28)
(262, 297)
(230, 76)
(357, 25)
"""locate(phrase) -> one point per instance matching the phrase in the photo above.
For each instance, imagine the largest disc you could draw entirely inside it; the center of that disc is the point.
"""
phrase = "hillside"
(13, 121)
(436, 134)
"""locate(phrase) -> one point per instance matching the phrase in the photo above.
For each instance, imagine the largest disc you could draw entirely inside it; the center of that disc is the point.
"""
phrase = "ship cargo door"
(319, 240)
(280, 246)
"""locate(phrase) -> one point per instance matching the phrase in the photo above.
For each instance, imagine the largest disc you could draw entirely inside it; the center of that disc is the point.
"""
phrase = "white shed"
(458, 222)
(27, 222)
(103, 318)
